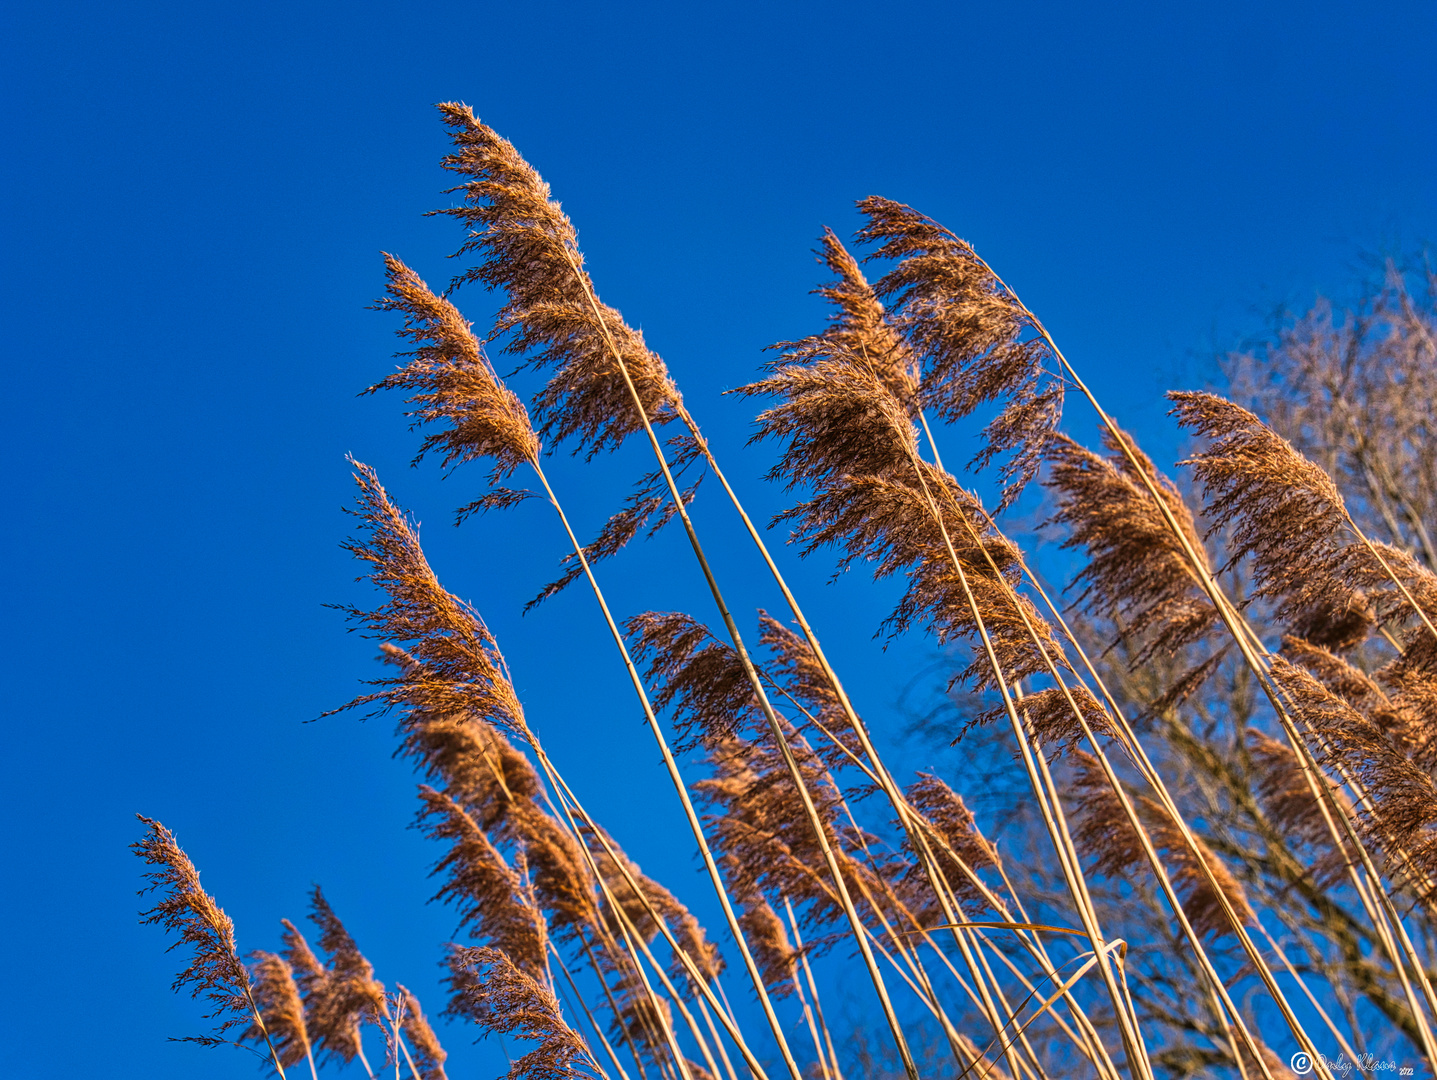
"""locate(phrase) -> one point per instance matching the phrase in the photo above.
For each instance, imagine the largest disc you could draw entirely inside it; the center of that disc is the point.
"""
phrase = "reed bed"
(1201, 840)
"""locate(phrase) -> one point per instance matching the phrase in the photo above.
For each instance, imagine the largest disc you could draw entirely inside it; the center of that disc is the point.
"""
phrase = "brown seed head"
(850, 439)
(757, 817)
(837, 417)
(492, 991)
(451, 383)
(528, 248)
(1137, 570)
(279, 1002)
(1285, 512)
(699, 677)
(476, 765)
(795, 668)
(459, 670)
(560, 875)
(495, 902)
(1107, 836)
(427, 1052)
(891, 524)
(349, 995)
(215, 969)
(763, 930)
(1051, 719)
(1401, 820)
(945, 810)
(681, 922)
(860, 324)
(975, 340)
(1286, 798)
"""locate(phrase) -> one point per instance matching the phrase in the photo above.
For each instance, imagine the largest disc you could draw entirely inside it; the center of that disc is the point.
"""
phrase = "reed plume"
(475, 763)
(451, 383)
(1351, 390)
(699, 678)
(349, 996)
(277, 997)
(490, 990)
(756, 818)
(529, 249)
(860, 325)
(944, 809)
(495, 902)
(1283, 510)
(1401, 816)
(795, 671)
(1403, 593)
(562, 879)
(460, 670)
(975, 341)
(1136, 572)
(1286, 798)
(1107, 835)
(184, 908)
(874, 500)
(763, 928)
(308, 969)
(642, 907)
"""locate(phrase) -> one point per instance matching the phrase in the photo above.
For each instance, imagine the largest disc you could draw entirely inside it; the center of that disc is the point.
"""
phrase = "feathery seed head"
(1107, 835)
(945, 810)
(971, 335)
(563, 885)
(680, 920)
(1285, 797)
(277, 997)
(459, 669)
(492, 991)
(1285, 512)
(1399, 817)
(477, 766)
(428, 1054)
(528, 248)
(1137, 570)
(699, 677)
(495, 901)
(860, 326)
(450, 381)
(215, 969)
(348, 995)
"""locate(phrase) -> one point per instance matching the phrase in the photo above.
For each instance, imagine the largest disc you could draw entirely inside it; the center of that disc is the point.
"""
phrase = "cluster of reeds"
(1217, 748)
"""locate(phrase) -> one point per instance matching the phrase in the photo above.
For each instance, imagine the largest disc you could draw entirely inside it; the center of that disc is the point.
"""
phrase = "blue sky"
(195, 198)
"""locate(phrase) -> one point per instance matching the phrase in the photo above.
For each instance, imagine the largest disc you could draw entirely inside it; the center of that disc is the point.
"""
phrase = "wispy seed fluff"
(553, 318)
(459, 669)
(1107, 836)
(528, 248)
(277, 997)
(1137, 572)
(860, 325)
(184, 908)
(451, 383)
(492, 992)
(1285, 512)
(975, 341)
(850, 440)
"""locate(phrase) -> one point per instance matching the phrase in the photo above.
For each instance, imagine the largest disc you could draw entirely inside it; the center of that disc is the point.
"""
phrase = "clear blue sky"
(194, 198)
